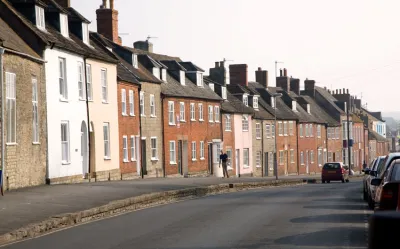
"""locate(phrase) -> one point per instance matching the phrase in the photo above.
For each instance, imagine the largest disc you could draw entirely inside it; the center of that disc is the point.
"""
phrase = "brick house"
(358, 146)
(24, 83)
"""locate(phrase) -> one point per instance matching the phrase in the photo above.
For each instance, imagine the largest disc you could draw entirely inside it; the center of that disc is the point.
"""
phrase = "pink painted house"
(243, 144)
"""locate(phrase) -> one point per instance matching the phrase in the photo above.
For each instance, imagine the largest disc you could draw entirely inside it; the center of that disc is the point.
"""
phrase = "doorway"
(266, 167)
(237, 162)
(143, 156)
(84, 149)
(307, 164)
(92, 149)
(210, 159)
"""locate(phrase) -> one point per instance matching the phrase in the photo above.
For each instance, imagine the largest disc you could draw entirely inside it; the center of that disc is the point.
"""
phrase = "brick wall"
(189, 131)
(264, 146)
(25, 162)
(229, 141)
(107, 24)
(128, 125)
(257, 147)
(285, 144)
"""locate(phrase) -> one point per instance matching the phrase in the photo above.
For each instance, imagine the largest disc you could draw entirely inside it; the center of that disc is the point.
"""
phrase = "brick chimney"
(64, 3)
(309, 87)
(295, 85)
(283, 81)
(144, 45)
(107, 21)
(262, 77)
(238, 74)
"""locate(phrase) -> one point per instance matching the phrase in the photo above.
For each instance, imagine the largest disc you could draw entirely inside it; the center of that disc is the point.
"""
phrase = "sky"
(339, 44)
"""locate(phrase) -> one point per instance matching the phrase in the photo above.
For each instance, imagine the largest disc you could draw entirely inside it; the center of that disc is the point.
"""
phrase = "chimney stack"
(64, 3)
(280, 72)
(144, 45)
(309, 86)
(295, 85)
(284, 72)
(107, 22)
(217, 64)
(238, 74)
(262, 77)
(347, 91)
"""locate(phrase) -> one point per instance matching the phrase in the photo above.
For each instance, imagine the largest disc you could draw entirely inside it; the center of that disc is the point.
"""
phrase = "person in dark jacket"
(223, 158)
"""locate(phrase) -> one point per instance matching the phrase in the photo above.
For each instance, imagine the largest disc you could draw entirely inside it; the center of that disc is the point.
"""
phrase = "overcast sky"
(340, 44)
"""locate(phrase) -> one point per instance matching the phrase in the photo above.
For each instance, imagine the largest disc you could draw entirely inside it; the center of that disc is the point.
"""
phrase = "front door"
(266, 168)
(307, 165)
(180, 157)
(210, 159)
(144, 162)
(84, 149)
(185, 159)
(237, 162)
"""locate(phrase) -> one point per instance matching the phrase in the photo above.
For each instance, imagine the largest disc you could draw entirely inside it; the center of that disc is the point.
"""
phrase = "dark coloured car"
(369, 194)
(334, 172)
(387, 192)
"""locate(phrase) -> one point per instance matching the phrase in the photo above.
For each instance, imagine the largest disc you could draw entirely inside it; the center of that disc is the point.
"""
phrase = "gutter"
(88, 119)
(2, 169)
(24, 55)
(262, 148)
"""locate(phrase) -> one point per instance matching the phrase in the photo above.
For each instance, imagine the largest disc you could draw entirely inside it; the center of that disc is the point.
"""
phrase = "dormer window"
(308, 108)
(255, 102)
(199, 79)
(156, 72)
(64, 25)
(273, 103)
(135, 63)
(223, 89)
(85, 33)
(39, 11)
(164, 74)
(182, 78)
(245, 100)
(294, 106)
(211, 85)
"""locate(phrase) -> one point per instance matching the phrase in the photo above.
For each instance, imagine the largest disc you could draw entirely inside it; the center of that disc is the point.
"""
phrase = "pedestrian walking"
(224, 158)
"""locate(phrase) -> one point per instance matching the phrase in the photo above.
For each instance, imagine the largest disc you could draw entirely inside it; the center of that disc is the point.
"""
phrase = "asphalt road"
(311, 216)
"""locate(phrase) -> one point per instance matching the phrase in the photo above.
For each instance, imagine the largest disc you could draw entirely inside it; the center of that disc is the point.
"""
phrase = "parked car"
(369, 195)
(387, 193)
(366, 176)
(335, 171)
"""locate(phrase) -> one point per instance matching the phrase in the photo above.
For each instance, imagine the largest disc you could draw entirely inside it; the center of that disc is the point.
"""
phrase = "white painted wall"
(73, 110)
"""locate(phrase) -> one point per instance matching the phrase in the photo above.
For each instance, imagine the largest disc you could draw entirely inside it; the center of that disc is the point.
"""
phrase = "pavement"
(312, 216)
(25, 206)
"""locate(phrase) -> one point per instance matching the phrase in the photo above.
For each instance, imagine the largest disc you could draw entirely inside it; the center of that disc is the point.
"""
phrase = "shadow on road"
(331, 218)
(350, 199)
(337, 207)
(345, 236)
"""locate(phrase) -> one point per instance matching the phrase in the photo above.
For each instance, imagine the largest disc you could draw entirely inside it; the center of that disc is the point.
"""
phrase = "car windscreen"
(396, 172)
(330, 166)
(381, 164)
(374, 164)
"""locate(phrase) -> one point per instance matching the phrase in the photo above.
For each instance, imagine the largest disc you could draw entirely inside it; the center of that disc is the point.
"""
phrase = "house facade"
(25, 107)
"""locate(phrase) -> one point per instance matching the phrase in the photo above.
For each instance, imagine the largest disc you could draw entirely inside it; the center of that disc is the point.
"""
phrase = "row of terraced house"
(80, 106)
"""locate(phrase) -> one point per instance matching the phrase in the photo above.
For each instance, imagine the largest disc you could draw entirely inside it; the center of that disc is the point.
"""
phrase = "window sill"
(142, 115)
(172, 163)
(211, 121)
(193, 120)
(182, 121)
(228, 130)
(132, 115)
(245, 131)
(107, 158)
(258, 138)
(106, 103)
(217, 122)
(126, 161)
(246, 166)
(153, 116)
(154, 159)
(124, 115)
(65, 163)
(258, 166)
(36, 143)
(64, 100)
(82, 99)
(201, 120)
(202, 158)
(172, 124)
(90, 100)
(193, 160)
(133, 160)
(11, 144)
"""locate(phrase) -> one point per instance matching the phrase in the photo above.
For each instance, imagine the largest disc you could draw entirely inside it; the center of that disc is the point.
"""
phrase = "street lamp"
(274, 96)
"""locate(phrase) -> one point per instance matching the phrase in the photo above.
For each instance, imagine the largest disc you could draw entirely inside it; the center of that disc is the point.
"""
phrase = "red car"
(334, 172)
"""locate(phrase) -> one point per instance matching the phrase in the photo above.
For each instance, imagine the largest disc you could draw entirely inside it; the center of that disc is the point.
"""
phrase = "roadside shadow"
(341, 199)
(331, 218)
(344, 236)
(337, 207)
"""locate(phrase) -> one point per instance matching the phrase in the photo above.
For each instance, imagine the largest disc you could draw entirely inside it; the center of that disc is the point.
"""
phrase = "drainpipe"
(297, 151)
(2, 122)
(88, 119)
(140, 136)
(163, 134)
(262, 148)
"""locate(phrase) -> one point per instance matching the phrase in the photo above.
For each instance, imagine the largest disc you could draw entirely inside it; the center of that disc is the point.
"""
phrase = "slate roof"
(10, 40)
(75, 15)
(234, 105)
(376, 116)
(155, 56)
(318, 111)
(189, 66)
(140, 73)
(52, 36)
(372, 135)
(326, 95)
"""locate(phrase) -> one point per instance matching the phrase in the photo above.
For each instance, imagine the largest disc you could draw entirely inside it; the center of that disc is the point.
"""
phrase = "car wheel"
(328, 181)
(343, 180)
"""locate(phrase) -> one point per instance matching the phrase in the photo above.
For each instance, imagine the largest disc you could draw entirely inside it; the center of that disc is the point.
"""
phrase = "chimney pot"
(285, 72)
(259, 69)
(262, 77)
(344, 90)
(347, 91)
(280, 72)
(112, 4)
(340, 91)
(107, 22)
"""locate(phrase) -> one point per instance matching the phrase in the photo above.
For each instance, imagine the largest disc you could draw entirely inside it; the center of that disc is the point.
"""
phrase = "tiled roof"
(375, 116)
(327, 96)
(11, 40)
(237, 89)
(372, 135)
(155, 56)
(75, 15)
(319, 112)
(189, 66)
(172, 64)
(234, 105)
(208, 80)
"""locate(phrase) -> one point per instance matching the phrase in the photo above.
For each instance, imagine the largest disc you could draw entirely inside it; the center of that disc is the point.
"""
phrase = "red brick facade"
(107, 22)
(229, 140)
(187, 131)
(358, 146)
(129, 125)
(335, 144)
(286, 149)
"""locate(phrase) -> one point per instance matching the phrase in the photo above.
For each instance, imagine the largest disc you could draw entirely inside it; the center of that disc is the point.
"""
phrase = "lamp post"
(275, 95)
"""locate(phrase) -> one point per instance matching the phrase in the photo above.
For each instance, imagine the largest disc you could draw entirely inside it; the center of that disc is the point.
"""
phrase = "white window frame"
(258, 130)
(182, 115)
(216, 113)
(104, 85)
(211, 85)
(123, 102)
(246, 158)
(280, 128)
(202, 156)
(89, 82)
(273, 102)
(81, 77)
(281, 157)
(301, 158)
(273, 130)
(142, 107)
(291, 155)
(152, 106)
(40, 17)
(301, 130)
(135, 62)
(62, 73)
(311, 126)
(312, 156)
(156, 72)
(268, 133)
(64, 25)
(210, 114)
(258, 159)
(164, 74)
(255, 102)
(131, 103)
(285, 128)
(294, 106)
(85, 33)
(125, 149)
(307, 130)
(201, 112)
(245, 122)
(133, 148)
(182, 77)
(194, 151)
(228, 124)
(223, 93)
(11, 104)
(172, 152)
(199, 79)
(192, 112)
(245, 100)
(154, 149)
(35, 110)
(171, 112)
(319, 131)
(106, 139)
(291, 128)
(65, 158)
